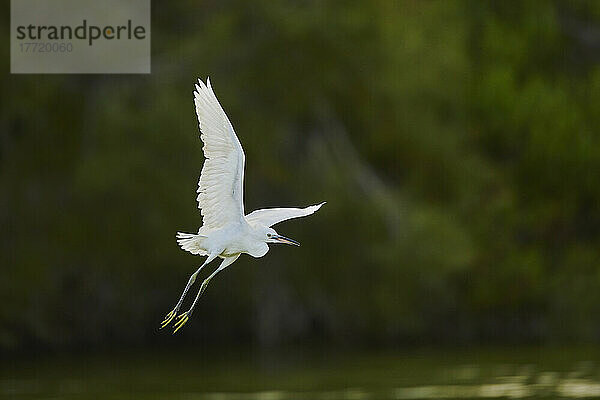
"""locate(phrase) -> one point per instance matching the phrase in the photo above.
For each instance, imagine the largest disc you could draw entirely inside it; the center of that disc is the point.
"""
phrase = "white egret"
(226, 231)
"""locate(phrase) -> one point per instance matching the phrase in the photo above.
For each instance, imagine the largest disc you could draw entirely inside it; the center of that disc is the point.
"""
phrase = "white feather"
(272, 216)
(220, 188)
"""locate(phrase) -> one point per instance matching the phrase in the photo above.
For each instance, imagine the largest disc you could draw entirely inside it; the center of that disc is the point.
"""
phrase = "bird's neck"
(256, 243)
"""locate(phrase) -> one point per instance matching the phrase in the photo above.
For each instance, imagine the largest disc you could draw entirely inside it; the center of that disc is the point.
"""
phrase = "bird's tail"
(192, 242)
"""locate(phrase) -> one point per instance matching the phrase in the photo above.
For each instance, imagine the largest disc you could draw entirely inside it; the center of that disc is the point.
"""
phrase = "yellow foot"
(168, 318)
(181, 320)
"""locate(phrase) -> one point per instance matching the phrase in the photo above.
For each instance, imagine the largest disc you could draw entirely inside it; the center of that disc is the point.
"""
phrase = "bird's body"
(230, 240)
(227, 231)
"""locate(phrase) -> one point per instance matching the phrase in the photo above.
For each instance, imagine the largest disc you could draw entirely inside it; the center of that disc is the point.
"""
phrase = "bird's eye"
(268, 235)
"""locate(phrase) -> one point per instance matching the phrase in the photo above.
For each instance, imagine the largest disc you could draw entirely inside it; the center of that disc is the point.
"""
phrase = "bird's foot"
(169, 317)
(181, 320)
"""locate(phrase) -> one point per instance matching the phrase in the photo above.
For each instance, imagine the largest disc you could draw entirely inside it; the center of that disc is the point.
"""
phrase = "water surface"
(401, 374)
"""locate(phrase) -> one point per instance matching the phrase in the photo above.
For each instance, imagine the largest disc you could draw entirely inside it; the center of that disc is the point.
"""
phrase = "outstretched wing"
(272, 216)
(220, 188)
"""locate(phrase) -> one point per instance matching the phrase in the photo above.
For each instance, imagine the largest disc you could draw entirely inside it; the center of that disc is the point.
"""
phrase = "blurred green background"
(456, 143)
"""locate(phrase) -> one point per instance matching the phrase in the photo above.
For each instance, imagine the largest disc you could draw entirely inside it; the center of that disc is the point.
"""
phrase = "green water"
(323, 374)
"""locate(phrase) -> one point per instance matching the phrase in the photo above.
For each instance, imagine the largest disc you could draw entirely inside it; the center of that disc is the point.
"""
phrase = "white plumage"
(220, 188)
(226, 232)
(272, 216)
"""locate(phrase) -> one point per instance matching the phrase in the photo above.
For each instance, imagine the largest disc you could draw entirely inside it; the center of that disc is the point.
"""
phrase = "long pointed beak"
(283, 239)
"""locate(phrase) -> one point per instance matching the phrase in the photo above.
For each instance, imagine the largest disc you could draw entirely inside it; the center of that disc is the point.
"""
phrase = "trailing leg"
(183, 318)
(169, 317)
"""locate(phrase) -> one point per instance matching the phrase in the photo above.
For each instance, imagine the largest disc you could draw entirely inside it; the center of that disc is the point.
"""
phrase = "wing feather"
(272, 216)
(220, 187)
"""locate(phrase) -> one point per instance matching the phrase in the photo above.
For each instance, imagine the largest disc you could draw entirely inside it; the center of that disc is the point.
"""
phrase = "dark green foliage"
(456, 143)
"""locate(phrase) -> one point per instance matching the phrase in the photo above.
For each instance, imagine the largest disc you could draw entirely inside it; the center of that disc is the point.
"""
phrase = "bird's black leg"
(173, 313)
(183, 318)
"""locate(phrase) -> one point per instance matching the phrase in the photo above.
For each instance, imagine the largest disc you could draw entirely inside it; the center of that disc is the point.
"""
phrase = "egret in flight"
(226, 231)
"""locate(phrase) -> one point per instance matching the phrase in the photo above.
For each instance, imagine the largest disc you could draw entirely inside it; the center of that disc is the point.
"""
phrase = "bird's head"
(270, 236)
